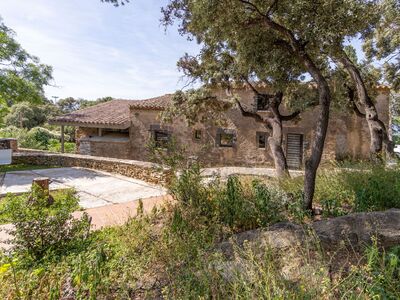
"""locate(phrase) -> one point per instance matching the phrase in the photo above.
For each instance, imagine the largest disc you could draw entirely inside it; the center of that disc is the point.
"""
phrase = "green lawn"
(22, 167)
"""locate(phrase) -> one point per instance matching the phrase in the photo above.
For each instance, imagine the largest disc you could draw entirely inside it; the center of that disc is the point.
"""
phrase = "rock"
(354, 230)
(296, 248)
(358, 229)
(278, 236)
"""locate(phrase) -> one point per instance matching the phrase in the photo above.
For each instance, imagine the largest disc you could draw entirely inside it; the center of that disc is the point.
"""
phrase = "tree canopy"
(22, 76)
(382, 42)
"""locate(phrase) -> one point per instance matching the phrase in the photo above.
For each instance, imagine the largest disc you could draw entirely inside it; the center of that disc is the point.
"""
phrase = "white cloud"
(97, 50)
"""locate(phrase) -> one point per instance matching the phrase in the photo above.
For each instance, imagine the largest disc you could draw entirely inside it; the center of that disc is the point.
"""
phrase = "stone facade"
(348, 135)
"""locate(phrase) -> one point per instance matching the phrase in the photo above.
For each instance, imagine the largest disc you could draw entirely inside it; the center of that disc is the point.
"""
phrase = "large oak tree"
(309, 34)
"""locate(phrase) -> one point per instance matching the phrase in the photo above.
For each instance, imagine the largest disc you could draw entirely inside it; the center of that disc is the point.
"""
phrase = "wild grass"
(22, 167)
(339, 190)
(62, 198)
(174, 253)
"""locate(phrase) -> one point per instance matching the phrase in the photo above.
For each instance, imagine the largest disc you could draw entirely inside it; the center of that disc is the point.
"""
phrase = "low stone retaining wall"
(145, 171)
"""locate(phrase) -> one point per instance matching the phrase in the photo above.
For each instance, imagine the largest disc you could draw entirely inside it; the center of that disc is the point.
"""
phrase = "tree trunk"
(275, 144)
(377, 129)
(312, 163)
(297, 48)
(275, 140)
(275, 124)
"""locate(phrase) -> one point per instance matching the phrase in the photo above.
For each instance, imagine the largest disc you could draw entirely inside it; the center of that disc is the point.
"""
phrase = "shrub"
(40, 227)
(233, 204)
(375, 188)
(30, 115)
(368, 187)
(55, 146)
(377, 278)
(36, 138)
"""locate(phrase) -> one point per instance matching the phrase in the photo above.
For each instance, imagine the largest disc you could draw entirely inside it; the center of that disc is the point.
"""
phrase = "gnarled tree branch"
(246, 113)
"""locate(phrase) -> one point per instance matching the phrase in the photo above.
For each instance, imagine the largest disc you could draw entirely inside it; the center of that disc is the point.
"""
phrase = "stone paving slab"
(94, 188)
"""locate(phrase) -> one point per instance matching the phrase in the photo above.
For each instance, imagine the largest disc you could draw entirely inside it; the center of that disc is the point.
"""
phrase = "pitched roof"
(114, 113)
(156, 103)
(111, 114)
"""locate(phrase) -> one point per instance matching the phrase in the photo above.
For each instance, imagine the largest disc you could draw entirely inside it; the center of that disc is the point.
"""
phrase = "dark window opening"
(262, 139)
(113, 132)
(197, 134)
(262, 102)
(161, 138)
(226, 138)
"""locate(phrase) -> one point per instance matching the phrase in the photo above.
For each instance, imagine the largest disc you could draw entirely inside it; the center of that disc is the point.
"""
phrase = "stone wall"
(90, 143)
(145, 171)
(347, 136)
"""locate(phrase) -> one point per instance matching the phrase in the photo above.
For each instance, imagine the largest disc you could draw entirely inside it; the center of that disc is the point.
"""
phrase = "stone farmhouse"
(124, 128)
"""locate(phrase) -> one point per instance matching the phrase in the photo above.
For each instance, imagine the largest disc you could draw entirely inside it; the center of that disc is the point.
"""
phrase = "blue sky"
(97, 50)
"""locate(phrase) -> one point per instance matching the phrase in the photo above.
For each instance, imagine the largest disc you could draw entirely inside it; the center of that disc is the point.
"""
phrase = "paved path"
(94, 188)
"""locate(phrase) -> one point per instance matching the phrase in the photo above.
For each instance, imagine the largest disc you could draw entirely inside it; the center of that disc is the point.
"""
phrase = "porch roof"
(111, 114)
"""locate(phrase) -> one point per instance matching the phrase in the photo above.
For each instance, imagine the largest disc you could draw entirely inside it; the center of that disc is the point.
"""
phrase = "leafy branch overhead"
(22, 76)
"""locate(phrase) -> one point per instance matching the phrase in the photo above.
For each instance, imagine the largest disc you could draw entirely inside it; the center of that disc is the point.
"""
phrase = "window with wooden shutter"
(294, 150)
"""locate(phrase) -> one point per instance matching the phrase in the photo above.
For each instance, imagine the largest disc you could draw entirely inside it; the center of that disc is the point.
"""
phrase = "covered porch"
(101, 130)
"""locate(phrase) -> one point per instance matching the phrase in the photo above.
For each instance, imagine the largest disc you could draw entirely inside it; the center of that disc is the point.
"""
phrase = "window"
(226, 137)
(161, 138)
(160, 135)
(262, 138)
(114, 132)
(197, 134)
(262, 102)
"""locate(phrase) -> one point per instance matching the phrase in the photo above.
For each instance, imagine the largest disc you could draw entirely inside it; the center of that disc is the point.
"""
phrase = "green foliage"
(27, 115)
(174, 253)
(377, 279)
(59, 196)
(197, 105)
(382, 42)
(42, 227)
(21, 167)
(22, 76)
(36, 138)
(70, 104)
(236, 205)
(55, 146)
(171, 154)
(341, 190)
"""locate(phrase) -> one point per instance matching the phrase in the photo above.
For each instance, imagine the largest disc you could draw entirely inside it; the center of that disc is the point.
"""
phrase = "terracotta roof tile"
(156, 103)
(115, 113)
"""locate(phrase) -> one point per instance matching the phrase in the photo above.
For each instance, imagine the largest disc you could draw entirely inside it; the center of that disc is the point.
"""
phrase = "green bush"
(369, 187)
(234, 204)
(41, 227)
(30, 115)
(36, 138)
(55, 146)
(376, 188)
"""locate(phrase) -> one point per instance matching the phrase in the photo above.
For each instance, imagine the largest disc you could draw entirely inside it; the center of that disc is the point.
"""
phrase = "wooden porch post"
(62, 138)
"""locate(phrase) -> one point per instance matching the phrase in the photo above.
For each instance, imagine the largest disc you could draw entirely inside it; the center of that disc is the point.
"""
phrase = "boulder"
(296, 246)
(360, 228)
(355, 230)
